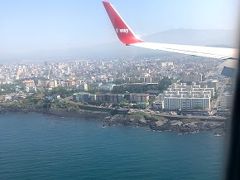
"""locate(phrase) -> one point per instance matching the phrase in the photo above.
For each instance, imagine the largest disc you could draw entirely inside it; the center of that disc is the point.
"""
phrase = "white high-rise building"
(186, 103)
(187, 97)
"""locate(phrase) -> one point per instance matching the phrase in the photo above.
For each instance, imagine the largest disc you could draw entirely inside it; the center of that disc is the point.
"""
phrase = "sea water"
(36, 146)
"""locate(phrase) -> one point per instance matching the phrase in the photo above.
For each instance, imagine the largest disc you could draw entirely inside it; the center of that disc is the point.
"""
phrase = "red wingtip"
(124, 32)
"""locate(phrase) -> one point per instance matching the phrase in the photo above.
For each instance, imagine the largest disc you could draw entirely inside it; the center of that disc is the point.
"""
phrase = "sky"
(28, 27)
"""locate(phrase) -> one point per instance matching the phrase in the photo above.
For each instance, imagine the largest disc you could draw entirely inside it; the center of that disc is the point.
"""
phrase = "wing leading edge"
(128, 37)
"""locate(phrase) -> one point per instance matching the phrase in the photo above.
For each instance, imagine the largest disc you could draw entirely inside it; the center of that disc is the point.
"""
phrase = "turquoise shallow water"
(35, 146)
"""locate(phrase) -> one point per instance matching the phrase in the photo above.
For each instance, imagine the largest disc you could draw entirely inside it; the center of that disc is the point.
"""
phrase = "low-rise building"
(139, 98)
(83, 87)
(52, 84)
(110, 98)
(81, 97)
(226, 101)
(107, 87)
(29, 83)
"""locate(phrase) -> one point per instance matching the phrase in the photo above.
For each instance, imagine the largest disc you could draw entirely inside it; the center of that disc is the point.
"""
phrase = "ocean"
(36, 146)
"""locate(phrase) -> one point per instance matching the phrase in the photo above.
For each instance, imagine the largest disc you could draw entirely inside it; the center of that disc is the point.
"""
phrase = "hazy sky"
(28, 26)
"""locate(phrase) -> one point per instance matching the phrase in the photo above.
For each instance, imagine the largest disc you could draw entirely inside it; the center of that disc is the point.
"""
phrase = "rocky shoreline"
(180, 126)
(183, 126)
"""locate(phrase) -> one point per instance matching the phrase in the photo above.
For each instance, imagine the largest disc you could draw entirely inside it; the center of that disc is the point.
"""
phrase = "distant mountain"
(224, 38)
(221, 38)
(216, 38)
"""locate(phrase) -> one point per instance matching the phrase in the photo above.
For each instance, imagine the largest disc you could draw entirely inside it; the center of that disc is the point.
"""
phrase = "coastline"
(183, 126)
(60, 113)
(180, 126)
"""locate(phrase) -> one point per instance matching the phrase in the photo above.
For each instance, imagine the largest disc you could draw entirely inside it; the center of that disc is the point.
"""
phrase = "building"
(7, 98)
(166, 64)
(226, 101)
(93, 97)
(52, 84)
(186, 103)
(106, 87)
(158, 105)
(115, 98)
(100, 98)
(139, 98)
(81, 97)
(42, 83)
(29, 83)
(110, 98)
(191, 77)
(83, 87)
(70, 83)
(185, 90)
(210, 84)
(188, 97)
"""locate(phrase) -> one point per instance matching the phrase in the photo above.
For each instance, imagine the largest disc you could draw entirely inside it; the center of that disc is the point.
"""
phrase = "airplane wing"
(128, 37)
